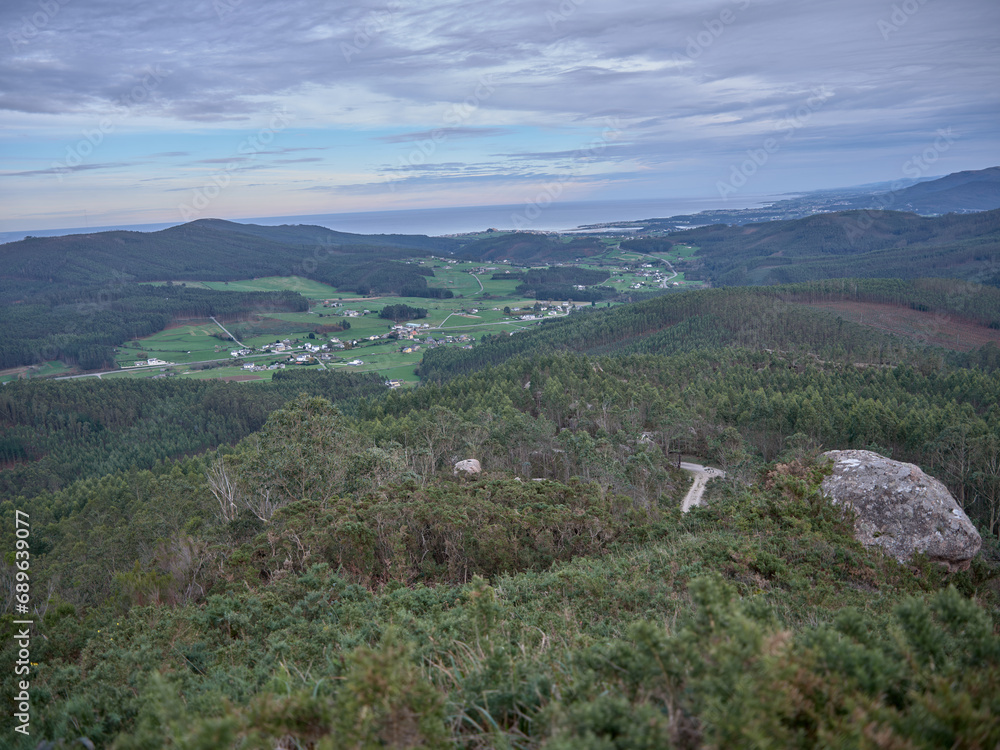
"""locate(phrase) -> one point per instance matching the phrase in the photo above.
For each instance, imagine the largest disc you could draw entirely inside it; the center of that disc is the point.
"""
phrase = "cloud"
(597, 150)
(694, 84)
(69, 169)
(444, 133)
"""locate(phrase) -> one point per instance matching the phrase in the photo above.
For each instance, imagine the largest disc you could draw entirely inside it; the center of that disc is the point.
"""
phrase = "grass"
(193, 341)
(234, 373)
(402, 372)
(43, 370)
(306, 287)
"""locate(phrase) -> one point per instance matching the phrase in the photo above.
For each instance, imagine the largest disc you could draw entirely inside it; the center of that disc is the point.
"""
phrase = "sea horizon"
(561, 216)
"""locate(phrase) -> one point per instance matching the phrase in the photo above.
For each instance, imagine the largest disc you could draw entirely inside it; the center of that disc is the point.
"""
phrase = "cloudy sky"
(132, 111)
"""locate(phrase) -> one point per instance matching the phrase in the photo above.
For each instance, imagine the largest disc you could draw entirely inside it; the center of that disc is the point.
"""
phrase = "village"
(342, 329)
(412, 337)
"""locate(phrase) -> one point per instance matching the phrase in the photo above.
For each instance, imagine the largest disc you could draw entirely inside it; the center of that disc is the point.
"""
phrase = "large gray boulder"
(901, 509)
(469, 467)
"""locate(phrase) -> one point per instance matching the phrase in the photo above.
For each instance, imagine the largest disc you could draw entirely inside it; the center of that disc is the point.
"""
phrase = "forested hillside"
(204, 250)
(75, 298)
(864, 244)
(225, 565)
(53, 433)
(768, 318)
(329, 578)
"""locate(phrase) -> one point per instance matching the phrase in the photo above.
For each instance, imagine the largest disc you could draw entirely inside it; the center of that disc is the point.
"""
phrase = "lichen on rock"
(901, 509)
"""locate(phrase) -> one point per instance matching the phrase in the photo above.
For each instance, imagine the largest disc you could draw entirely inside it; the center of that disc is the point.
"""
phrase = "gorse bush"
(450, 532)
(503, 613)
(328, 582)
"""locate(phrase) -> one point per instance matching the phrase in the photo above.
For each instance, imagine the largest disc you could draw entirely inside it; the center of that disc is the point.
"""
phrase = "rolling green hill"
(75, 297)
(203, 250)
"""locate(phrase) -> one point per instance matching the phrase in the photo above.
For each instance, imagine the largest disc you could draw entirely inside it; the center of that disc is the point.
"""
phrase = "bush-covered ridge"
(755, 620)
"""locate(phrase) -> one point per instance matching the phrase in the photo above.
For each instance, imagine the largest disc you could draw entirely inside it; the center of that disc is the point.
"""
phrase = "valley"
(193, 347)
(457, 375)
(241, 465)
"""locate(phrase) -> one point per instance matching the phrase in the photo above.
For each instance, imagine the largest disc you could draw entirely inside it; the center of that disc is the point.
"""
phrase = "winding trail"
(701, 476)
(675, 274)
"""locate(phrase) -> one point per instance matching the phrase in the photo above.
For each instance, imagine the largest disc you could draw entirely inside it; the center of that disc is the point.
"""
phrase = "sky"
(136, 111)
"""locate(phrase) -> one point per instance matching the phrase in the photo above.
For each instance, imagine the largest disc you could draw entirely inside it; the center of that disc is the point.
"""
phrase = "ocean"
(557, 217)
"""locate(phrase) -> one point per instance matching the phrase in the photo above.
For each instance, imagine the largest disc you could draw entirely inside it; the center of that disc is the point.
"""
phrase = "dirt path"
(701, 476)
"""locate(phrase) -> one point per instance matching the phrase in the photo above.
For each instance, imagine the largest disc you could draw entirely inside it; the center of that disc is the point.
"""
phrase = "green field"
(306, 287)
(183, 344)
(43, 370)
(475, 310)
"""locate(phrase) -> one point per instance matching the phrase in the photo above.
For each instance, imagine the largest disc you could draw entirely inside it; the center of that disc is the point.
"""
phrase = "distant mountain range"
(960, 192)
(868, 244)
(861, 243)
(217, 250)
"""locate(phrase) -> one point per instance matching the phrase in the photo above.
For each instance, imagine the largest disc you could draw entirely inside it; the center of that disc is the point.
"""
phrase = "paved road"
(441, 324)
(501, 323)
(227, 332)
(701, 476)
(667, 281)
(156, 367)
